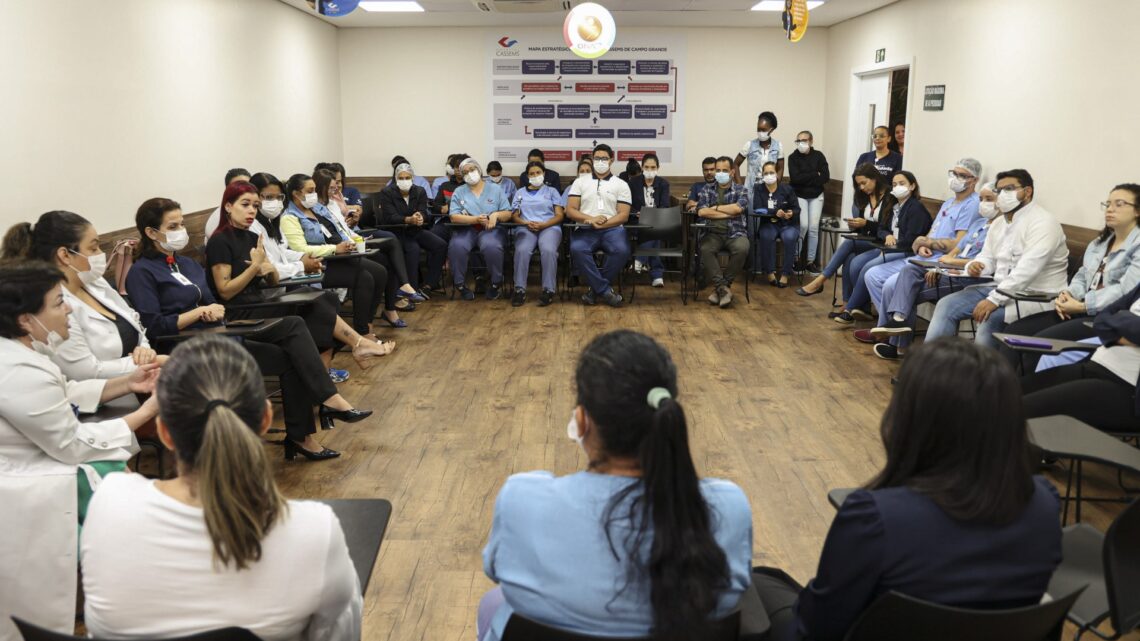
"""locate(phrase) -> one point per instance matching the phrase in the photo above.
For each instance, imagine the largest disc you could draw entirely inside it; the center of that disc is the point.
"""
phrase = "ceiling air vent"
(523, 6)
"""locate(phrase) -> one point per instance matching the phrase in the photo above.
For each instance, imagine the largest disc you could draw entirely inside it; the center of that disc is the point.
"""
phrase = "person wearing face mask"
(687, 560)
(649, 190)
(759, 150)
(778, 212)
(1109, 269)
(538, 213)
(448, 175)
(808, 174)
(1024, 251)
(403, 202)
(419, 181)
(872, 198)
(480, 205)
(550, 178)
(905, 220)
(585, 168)
(495, 175)
(600, 203)
(441, 206)
(50, 462)
(722, 205)
(106, 337)
(915, 284)
(708, 170)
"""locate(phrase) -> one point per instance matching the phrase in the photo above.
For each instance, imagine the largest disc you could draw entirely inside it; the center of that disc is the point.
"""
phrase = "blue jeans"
(491, 245)
(877, 276)
(547, 242)
(847, 250)
(613, 242)
(810, 213)
(787, 233)
(859, 295)
(960, 306)
(903, 292)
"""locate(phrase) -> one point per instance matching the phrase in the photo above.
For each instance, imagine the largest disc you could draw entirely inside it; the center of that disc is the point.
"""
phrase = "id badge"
(181, 279)
(771, 204)
(326, 232)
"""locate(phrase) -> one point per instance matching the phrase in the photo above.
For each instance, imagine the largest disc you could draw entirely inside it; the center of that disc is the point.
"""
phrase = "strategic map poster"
(544, 96)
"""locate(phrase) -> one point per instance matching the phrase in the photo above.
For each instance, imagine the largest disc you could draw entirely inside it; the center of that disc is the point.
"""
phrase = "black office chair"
(522, 629)
(665, 226)
(897, 617)
(32, 632)
(1109, 564)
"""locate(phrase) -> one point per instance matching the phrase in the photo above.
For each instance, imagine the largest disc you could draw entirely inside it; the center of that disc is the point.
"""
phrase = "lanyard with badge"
(177, 274)
(1098, 277)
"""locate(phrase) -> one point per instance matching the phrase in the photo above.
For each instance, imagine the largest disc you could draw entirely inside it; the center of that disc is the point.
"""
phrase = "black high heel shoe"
(328, 415)
(292, 448)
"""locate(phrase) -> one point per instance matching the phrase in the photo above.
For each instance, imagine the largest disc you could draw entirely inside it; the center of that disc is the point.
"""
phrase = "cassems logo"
(507, 47)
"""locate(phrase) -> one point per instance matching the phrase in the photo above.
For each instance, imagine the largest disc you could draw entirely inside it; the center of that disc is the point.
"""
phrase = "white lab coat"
(1028, 254)
(94, 348)
(42, 448)
(286, 261)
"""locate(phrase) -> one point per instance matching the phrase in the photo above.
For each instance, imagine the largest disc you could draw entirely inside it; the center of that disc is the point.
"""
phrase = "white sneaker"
(658, 282)
(638, 267)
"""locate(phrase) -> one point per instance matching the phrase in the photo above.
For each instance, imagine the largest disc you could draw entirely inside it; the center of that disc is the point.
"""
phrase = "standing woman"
(872, 189)
(221, 530)
(759, 150)
(808, 174)
(50, 462)
(171, 293)
(310, 228)
(885, 161)
(105, 334)
(635, 545)
(404, 203)
(898, 141)
(780, 202)
(538, 212)
(649, 190)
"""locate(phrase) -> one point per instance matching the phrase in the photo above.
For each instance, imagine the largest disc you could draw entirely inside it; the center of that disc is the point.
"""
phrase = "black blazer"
(1117, 321)
(914, 221)
(637, 193)
(785, 197)
(393, 209)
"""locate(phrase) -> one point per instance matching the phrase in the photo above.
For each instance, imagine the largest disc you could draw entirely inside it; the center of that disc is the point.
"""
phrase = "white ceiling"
(627, 13)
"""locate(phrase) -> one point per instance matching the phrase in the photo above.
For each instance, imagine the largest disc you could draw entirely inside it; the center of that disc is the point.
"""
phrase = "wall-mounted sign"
(934, 98)
(589, 30)
(880, 55)
(795, 19)
(334, 8)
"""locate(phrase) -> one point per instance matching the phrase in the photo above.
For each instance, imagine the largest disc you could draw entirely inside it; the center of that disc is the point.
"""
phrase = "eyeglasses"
(1009, 189)
(959, 174)
(802, 140)
(1116, 204)
(597, 160)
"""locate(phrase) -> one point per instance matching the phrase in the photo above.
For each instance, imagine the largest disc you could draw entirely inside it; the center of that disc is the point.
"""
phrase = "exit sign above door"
(880, 55)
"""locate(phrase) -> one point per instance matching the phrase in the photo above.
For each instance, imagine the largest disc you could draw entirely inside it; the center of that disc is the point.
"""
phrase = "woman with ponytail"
(218, 545)
(635, 545)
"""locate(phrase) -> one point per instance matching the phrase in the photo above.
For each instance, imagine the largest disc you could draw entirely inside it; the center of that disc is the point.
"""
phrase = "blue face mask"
(722, 177)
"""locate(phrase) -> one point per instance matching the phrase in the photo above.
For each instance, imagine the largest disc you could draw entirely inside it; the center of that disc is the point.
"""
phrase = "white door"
(870, 98)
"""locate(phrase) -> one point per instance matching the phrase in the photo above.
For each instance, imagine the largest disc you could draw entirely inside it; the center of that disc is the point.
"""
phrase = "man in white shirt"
(600, 203)
(1025, 251)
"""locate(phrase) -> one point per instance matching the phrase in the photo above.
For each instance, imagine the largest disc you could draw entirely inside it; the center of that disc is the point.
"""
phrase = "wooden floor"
(780, 400)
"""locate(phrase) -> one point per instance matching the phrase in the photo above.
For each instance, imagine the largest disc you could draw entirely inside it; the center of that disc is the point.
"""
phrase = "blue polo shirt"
(465, 201)
(954, 216)
(538, 205)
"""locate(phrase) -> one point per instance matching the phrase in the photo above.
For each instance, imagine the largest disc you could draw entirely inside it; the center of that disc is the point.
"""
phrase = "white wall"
(106, 104)
(423, 93)
(1040, 84)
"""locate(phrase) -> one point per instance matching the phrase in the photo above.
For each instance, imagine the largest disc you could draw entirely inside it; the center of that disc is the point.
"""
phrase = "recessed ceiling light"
(391, 5)
(776, 5)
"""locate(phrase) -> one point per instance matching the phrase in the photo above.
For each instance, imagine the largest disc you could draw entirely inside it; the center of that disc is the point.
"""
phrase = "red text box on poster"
(634, 155)
(649, 87)
(594, 87)
(541, 87)
(557, 155)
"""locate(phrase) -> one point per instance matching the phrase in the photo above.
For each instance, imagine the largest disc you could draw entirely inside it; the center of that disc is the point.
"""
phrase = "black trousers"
(1085, 391)
(286, 350)
(366, 280)
(390, 265)
(319, 316)
(778, 592)
(394, 252)
(436, 248)
(1047, 325)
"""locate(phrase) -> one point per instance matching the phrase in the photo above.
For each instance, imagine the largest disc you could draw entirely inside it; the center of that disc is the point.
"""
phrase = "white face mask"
(272, 208)
(54, 340)
(309, 200)
(900, 191)
(804, 147)
(601, 167)
(650, 174)
(722, 177)
(404, 184)
(97, 267)
(535, 181)
(498, 180)
(957, 185)
(763, 136)
(472, 177)
(988, 210)
(449, 170)
(572, 429)
(1007, 201)
(769, 179)
(176, 240)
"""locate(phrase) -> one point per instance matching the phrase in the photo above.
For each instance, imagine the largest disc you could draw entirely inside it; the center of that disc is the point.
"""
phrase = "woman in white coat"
(45, 449)
(106, 337)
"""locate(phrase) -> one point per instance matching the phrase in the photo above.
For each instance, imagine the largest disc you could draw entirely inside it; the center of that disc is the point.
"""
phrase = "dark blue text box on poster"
(537, 66)
(660, 112)
(574, 111)
(538, 111)
(553, 133)
(576, 67)
(614, 67)
(637, 133)
(616, 111)
(653, 67)
(594, 133)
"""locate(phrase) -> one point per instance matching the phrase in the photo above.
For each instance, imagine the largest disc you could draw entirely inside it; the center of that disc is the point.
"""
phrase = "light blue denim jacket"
(1121, 273)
